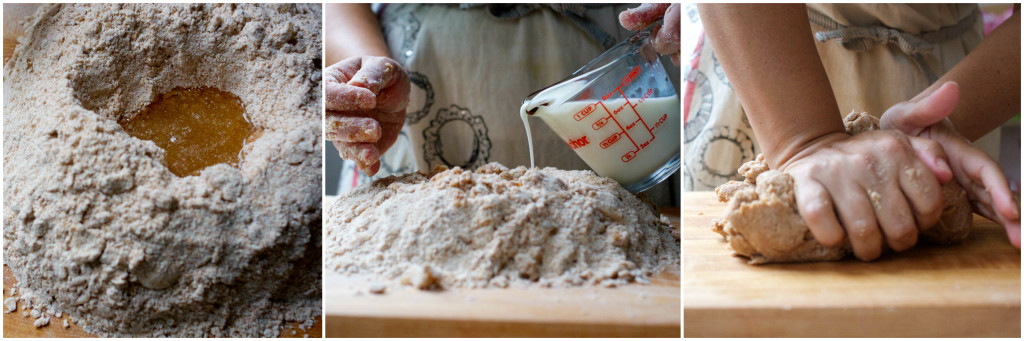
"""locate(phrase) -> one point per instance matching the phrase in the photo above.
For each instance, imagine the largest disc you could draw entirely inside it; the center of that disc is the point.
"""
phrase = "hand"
(876, 184)
(982, 178)
(366, 99)
(666, 37)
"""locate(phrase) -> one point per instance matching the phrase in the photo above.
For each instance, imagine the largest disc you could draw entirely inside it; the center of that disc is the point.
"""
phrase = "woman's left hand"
(982, 178)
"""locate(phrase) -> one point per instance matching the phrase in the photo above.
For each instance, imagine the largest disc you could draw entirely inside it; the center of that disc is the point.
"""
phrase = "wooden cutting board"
(17, 325)
(968, 290)
(13, 14)
(634, 310)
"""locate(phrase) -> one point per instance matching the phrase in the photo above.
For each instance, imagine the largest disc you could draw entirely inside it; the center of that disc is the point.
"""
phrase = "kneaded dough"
(763, 225)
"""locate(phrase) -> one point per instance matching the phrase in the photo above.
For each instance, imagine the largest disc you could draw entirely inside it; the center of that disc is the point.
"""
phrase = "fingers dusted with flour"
(639, 17)
(864, 183)
(815, 206)
(366, 100)
(352, 129)
(666, 37)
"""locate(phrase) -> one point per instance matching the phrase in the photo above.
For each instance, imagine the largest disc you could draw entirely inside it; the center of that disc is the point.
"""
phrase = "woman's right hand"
(666, 37)
(873, 186)
(366, 100)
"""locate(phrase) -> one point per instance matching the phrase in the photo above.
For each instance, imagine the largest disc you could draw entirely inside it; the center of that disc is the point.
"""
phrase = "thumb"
(933, 156)
(375, 74)
(913, 116)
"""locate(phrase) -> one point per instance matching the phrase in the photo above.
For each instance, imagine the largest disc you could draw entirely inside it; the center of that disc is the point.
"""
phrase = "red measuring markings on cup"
(583, 113)
(628, 78)
(623, 114)
(586, 94)
(608, 142)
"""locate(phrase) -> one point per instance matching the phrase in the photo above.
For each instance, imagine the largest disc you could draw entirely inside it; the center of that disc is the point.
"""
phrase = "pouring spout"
(532, 109)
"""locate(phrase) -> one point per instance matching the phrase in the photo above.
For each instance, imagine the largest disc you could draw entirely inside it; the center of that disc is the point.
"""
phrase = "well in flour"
(99, 224)
(197, 127)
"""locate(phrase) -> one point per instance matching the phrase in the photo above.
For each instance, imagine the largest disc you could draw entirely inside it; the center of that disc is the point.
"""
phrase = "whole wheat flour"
(496, 227)
(94, 223)
(763, 225)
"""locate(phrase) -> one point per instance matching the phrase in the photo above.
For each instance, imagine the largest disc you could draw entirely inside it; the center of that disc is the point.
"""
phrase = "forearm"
(352, 30)
(989, 79)
(769, 54)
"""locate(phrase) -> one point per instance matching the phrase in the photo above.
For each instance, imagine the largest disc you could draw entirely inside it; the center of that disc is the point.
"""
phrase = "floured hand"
(872, 186)
(366, 99)
(666, 37)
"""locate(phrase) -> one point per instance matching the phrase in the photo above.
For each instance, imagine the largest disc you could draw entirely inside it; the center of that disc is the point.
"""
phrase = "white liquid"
(529, 136)
(623, 139)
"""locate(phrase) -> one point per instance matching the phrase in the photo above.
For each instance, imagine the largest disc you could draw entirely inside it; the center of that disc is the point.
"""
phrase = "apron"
(875, 55)
(472, 66)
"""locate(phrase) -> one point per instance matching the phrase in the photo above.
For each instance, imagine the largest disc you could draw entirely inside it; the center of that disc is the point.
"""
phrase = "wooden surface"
(17, 325)
(634, 310)
(13, 14)
(966, 290)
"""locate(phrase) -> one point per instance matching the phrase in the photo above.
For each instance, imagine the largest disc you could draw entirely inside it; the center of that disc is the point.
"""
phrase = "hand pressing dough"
(763, 225)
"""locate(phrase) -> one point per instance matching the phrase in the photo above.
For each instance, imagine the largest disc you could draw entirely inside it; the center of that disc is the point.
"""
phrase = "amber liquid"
(197, 127)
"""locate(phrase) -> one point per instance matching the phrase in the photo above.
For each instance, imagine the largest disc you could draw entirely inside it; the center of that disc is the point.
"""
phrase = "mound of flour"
(97, 227)
(496, 227)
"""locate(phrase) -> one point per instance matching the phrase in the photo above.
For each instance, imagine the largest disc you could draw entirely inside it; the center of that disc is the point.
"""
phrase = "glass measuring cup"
(619, 113)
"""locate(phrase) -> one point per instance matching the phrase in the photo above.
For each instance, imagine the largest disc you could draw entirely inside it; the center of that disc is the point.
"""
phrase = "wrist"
(800, 147)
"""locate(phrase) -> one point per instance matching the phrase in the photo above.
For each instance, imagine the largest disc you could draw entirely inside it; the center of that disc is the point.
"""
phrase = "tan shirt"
(717, 135)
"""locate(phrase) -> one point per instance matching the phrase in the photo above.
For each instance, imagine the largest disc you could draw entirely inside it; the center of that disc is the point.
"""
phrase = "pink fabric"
(688, 95)
(994, 20)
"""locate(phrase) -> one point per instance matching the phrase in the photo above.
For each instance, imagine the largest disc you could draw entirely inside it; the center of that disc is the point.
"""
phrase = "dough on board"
(763, 225)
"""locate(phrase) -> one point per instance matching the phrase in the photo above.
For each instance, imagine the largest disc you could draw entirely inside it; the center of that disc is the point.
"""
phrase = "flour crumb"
(35, 313)
(66, 324)
(42, 321)
(377, 288)
(294, 332)
(422, 277)
(10, 304)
